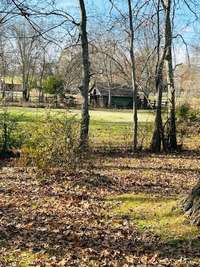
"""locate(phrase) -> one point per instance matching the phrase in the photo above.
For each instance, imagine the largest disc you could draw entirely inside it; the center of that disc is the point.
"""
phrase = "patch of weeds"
(158, 215)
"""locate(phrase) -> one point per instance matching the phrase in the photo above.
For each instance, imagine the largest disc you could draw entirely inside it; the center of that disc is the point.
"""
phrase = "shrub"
(54, 85)
(10, 136)
(186, 113)
(53, 144)
(183, 111)
(188, 123)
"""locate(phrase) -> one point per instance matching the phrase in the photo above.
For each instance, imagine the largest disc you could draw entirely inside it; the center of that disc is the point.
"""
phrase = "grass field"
(108, 128)
(123, 116)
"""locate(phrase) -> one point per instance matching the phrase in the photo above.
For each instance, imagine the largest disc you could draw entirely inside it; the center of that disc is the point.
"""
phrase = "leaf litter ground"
(99, 218)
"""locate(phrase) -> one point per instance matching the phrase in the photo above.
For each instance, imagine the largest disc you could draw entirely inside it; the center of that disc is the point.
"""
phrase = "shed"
(115, 97)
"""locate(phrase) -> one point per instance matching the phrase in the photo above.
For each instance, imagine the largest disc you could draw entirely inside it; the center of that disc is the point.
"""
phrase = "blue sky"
(98, 16)
(184, 20)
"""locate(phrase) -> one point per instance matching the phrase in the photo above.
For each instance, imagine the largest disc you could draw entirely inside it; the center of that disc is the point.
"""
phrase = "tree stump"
(191, 205)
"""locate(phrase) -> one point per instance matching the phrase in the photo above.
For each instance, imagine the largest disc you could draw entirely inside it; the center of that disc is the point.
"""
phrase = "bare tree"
(70, 67)
(166, 57)
(27, 43)
(3, 65)
(133, 75)
(85, 76)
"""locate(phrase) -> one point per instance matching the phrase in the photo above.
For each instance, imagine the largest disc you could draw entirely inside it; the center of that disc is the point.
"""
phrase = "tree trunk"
(26, 94)
(41, 95)
(172, 141)
(85, 77)
(158, 133)
(133, 75)
(191, 204)
(25, 89)
(3, 89)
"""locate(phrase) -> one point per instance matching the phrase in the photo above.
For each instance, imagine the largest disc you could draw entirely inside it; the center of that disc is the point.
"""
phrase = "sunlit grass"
(156, 214)
(23, 258)
(108, 128)
(121, 116)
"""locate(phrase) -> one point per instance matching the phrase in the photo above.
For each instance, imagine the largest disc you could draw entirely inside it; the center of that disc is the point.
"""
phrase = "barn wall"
(121, 102)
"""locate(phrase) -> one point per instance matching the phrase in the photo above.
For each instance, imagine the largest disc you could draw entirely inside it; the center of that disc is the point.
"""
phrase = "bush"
(53, 144)
(186, 113)
(183, 111)
(54, 84)
(188, 123)
(10, 135)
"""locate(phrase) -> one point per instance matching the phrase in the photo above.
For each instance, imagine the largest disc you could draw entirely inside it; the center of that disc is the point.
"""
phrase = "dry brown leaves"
(64, 220)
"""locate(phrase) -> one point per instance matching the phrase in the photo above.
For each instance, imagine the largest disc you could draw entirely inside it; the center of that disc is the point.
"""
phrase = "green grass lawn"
(156, 214)
(108, 128)
(118, 116)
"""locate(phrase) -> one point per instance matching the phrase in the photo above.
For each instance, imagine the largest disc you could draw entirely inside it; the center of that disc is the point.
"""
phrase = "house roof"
(123, 91)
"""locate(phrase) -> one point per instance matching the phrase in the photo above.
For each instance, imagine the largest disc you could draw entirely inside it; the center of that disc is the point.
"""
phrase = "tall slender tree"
(85, 76)
(172, 141)
(133, 75)
(158, 133)
(27, 47)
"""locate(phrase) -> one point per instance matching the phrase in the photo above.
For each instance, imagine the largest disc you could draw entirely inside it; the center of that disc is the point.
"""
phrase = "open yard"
(121, 211)
(109, 128)
(99, 133)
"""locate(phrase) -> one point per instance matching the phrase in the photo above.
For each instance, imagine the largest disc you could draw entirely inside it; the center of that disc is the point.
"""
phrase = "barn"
(116, 97)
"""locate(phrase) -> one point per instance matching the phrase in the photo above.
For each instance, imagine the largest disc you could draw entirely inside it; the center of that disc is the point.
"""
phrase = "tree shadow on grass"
(127, 153)
(148, 168)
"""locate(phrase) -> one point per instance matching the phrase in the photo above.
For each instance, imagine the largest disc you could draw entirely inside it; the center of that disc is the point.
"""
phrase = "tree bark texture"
(85, 119)
(191, 204)
(158, 132)
(172, 140)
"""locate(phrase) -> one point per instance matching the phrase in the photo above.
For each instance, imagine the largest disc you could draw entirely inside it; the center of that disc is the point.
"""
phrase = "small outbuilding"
(116, 97)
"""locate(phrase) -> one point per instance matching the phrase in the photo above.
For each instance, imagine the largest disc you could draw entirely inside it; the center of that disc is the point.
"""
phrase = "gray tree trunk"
(172, 140)
(133, 75)
(85, 119)
(158, 133)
